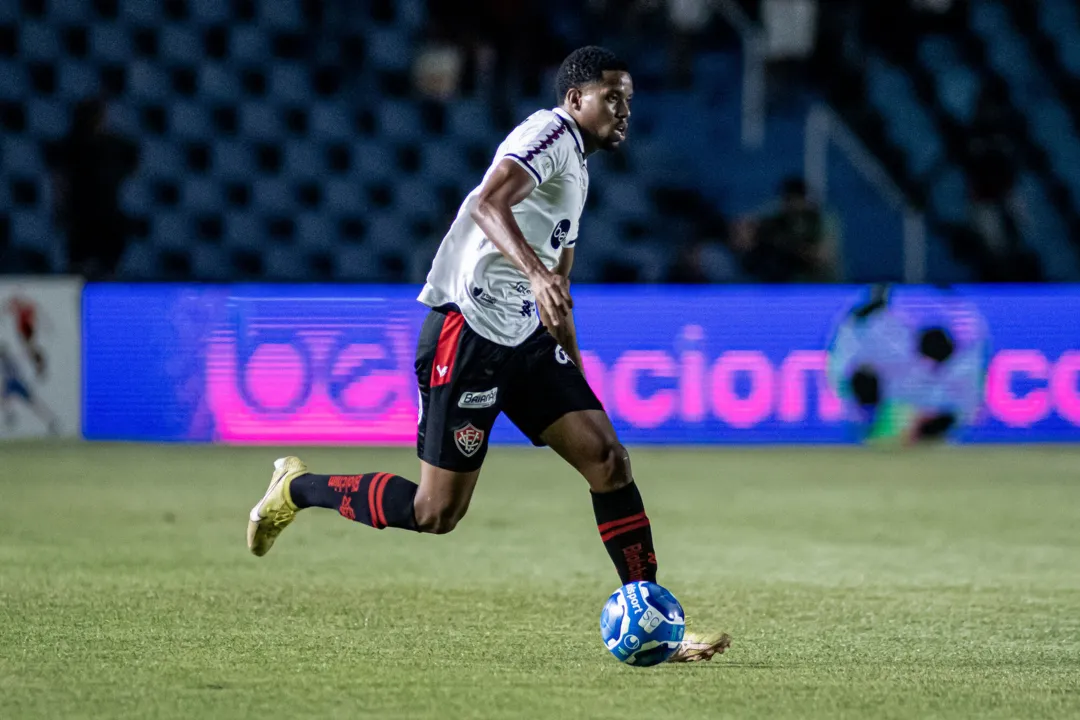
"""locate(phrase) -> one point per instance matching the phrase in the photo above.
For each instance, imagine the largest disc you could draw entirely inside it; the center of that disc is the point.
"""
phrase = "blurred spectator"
(490, 48)
(790, 36)
(438, 68)
(89, 166)
(992, 167)
(689, 19)
(940, 15)
(689, 266)
(445, 64)
(790, 27)
(793, 244)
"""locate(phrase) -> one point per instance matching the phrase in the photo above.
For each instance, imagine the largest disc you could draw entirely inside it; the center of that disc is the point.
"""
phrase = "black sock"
(624, 528)
(376, 499)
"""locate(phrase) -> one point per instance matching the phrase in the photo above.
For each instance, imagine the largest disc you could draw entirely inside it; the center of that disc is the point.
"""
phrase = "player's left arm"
(566, 333)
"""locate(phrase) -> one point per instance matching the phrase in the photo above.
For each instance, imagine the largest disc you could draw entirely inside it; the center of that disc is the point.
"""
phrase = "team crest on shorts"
(469, 439)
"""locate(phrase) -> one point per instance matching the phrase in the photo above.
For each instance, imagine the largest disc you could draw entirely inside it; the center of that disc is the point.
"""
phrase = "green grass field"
(931, 584)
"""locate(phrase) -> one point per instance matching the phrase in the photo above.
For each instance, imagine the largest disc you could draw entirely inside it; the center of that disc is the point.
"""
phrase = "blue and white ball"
(642, 624)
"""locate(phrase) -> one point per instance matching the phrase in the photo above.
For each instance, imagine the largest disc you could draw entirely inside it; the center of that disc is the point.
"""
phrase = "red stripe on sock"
(378, 498)
(371, 500)
(644, 522)
(442, 368)
(621, 521)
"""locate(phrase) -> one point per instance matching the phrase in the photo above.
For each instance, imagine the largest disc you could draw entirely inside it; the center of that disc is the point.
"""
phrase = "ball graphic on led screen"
(909, 365)
(642, 624)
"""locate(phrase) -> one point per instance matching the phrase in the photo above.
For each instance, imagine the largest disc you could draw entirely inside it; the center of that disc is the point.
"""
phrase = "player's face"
(605, 109)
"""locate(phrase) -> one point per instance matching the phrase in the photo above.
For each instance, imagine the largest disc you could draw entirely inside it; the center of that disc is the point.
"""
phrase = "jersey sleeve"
(542, 153)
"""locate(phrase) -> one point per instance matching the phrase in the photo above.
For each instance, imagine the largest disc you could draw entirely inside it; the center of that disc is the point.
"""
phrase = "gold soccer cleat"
(275, 511)
(699, 647)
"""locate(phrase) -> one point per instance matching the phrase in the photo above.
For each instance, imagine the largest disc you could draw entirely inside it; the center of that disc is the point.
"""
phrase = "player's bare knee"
(437, 520)
(614, 468)
(444, 523)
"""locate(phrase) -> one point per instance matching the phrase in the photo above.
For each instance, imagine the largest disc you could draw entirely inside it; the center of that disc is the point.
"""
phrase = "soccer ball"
(642, 624)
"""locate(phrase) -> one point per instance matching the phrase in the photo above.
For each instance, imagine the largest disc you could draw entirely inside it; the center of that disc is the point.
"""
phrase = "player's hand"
(552, 293)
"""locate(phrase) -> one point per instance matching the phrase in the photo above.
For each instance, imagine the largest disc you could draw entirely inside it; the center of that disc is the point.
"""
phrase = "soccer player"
(500, 338)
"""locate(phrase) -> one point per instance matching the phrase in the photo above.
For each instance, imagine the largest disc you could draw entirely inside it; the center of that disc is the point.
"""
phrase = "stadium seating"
(279, 142)
(1052, 128)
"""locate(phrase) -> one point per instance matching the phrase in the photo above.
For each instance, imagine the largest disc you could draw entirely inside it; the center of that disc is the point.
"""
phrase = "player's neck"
(588, 145)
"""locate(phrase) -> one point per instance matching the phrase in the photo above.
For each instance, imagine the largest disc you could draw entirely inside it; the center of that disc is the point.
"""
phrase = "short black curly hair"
(583, 66)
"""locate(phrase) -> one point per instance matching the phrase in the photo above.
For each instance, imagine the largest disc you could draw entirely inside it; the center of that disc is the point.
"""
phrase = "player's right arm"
(508, 185)
(566, 333)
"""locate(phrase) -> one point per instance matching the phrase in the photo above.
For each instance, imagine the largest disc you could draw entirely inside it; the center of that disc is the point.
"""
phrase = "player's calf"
(620, 513)
(382, 500)
(379, 500)
(587, 441)
(626, 532)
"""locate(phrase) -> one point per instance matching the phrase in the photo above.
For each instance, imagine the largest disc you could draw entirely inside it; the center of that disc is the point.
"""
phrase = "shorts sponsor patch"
(468, 439)
(476, 400)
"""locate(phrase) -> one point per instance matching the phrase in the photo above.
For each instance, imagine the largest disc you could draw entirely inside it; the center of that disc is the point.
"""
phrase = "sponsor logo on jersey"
(478, 400)
(560, 233)
(468, 439)
(522, 288)
(483, 296)
(526, 308)
(441, 369)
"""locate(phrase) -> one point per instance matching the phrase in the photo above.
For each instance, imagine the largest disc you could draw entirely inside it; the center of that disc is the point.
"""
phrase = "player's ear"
(573, 98)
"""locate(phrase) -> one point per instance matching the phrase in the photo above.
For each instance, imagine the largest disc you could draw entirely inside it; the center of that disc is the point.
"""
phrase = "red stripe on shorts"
(446, 350)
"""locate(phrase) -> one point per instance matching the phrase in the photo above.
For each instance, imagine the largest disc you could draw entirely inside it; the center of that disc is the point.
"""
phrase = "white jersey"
(469, 271)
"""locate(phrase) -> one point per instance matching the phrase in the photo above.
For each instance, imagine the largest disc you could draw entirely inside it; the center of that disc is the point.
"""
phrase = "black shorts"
(466, 381)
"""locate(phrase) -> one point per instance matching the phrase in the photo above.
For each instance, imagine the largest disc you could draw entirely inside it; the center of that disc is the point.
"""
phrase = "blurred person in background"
(790, 38)
(689, 265)
(796, 243)
(940, 15)
(487, 49)
(22, 360)
(688, 19)
(89, 167)
(993, 163)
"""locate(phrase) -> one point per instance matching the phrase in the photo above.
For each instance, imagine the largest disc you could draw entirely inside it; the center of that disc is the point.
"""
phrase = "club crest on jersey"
(468, 439)
(560, 233)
